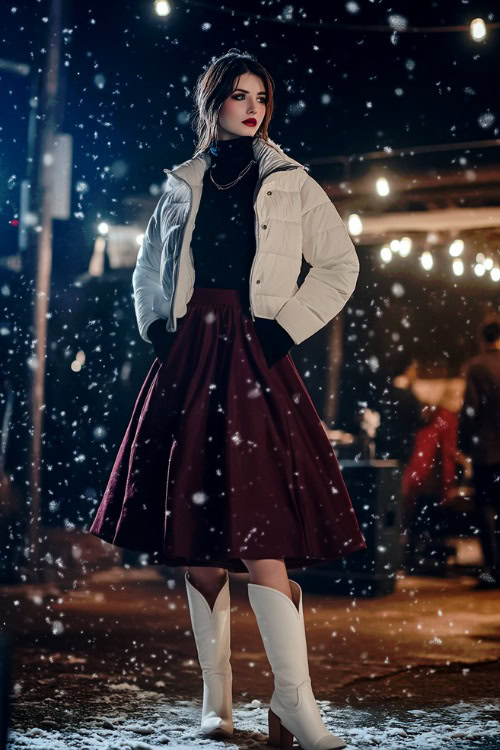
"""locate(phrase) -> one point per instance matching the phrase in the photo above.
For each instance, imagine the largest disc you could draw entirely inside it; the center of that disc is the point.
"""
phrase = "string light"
(354, 224)
(405, 245)
(478, 29)
(382, 186)
(162, 8)
(386, 254)
(427, 260)
(456, 248)
(402, 28)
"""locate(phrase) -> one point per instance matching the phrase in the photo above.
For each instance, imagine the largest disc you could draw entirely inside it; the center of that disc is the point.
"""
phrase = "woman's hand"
(274, 340)
(161, 339)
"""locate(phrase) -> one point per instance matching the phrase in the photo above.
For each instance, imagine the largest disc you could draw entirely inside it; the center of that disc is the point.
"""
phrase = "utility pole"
(39, 267)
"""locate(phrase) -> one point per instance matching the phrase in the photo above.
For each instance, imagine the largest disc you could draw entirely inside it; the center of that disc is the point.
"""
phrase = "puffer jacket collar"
(268, 154)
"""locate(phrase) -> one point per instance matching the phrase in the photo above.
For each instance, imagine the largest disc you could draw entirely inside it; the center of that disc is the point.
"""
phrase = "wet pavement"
(111, 662)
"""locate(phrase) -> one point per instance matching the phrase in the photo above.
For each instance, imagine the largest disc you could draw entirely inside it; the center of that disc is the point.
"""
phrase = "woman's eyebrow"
(247, 92)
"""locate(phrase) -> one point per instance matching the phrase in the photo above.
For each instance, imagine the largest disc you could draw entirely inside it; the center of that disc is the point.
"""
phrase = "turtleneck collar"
(233, 150)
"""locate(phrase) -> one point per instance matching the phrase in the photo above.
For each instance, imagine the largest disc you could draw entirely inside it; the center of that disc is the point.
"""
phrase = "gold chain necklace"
(240, 176)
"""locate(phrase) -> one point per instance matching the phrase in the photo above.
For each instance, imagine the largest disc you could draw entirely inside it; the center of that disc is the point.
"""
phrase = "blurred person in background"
(479, 438)
(401, 412)
(428, 482)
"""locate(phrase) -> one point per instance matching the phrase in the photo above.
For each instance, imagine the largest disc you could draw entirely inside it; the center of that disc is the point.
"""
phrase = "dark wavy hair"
(491, 331)
(215, 85)
(402, 361)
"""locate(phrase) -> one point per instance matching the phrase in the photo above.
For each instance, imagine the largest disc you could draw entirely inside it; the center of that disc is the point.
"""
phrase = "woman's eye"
(264, 100)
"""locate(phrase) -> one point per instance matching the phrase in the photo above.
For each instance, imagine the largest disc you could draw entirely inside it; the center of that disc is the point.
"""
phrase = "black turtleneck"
(223, 240)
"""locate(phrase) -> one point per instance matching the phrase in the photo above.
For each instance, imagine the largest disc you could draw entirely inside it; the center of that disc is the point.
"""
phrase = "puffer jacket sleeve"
(146, 277)
(332, 279)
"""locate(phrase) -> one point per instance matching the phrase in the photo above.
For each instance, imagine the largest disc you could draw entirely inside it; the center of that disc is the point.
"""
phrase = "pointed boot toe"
(329, 742)
(212, 633)
(214, 726)
(293, 711)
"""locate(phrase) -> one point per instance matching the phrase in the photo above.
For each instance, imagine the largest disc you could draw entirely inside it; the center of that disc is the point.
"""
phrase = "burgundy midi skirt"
(225, 459)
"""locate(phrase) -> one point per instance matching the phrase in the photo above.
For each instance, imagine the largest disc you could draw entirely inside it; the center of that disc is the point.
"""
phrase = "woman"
(225, 465)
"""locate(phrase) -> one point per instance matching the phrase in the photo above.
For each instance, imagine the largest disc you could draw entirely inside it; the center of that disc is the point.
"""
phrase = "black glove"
(274, 340)
(161, 339)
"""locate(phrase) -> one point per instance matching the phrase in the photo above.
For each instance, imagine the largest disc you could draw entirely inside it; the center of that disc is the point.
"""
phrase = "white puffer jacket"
(293, 217)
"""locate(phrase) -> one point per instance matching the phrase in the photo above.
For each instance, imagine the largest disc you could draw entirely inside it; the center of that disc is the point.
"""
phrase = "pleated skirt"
(225, 459)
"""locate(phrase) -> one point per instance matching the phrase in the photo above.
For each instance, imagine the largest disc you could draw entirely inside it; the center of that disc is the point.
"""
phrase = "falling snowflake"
(486, 120)
(200, 498)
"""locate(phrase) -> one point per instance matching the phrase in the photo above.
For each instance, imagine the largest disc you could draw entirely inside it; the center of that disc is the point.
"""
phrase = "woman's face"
(247, 100)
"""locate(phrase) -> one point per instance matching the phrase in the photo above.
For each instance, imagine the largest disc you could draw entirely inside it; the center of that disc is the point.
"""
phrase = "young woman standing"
(225, 465)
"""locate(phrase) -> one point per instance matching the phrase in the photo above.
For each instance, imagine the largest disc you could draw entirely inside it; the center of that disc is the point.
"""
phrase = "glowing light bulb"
(162, 8)
(354, 224)
(456, 248)
(386, 254)
(405, 245)
(478, 29)
(382, 186)
(427, 260)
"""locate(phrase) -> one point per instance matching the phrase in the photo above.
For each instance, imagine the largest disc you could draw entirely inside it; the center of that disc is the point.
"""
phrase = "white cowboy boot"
(294, 711)
(212, 632)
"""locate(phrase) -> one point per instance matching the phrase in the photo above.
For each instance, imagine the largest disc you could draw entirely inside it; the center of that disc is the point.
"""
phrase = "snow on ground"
(143, 721)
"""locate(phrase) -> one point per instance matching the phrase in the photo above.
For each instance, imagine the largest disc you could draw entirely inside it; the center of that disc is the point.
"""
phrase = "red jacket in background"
(431, 469)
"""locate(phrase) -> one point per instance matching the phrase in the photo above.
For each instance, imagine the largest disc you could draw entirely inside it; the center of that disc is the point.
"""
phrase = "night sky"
(129, 76)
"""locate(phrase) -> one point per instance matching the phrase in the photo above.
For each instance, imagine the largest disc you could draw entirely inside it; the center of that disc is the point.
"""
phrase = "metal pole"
(42, 271)
(335, 359)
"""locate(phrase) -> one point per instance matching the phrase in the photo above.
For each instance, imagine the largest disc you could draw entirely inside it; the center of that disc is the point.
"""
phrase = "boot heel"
(279, 736)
